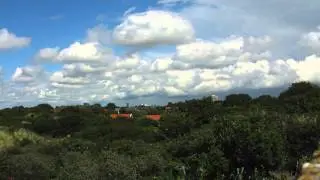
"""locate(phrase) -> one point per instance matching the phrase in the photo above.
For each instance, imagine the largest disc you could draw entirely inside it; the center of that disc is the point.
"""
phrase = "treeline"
(240, 137)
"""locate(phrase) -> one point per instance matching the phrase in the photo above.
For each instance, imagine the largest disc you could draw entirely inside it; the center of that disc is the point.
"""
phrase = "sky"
(71, 52)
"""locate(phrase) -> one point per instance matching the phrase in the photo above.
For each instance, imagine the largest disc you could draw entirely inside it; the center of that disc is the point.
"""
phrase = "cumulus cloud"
(100, 34)
(311, 40)
(9, 40)
(93, 49)
(196, 68)
(166, 80)
(89, 52)
(153, 27)
(27, 74)
(205, 50)
(307, 69)
(80, 52)
(47, 54)
(161, 64)
(59, 79)
(81, 69)
(159, 78)
(280, 20)
(209, 54)
(129, 62)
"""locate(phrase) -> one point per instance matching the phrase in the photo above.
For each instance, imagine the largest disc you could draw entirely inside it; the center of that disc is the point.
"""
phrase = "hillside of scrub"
(238, 138)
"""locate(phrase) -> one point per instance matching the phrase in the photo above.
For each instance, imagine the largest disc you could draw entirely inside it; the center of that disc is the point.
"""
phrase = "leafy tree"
(86, 104)
(45, 125)
(301, 97)
(111, 106)
(299, 88)
(43, 108)
(96, 105)
(69, 124)
(237, 99)
(174, 125)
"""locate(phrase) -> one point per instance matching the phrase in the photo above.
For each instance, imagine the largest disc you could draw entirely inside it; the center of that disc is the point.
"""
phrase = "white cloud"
(99, 33)
(129, 11)
(161, 64)
(220, 51)
(59, 79)
(89, 52)
(130, 62)
(280, 20)
(209, 54)
(311, 40)
(47, 54)
(153, 28)
(27, 74)
(307, 70)
(92, 50)
(81, 69)
(141, 78)
(80, 52)
(9, 40)
(196, 68)
(205, 50)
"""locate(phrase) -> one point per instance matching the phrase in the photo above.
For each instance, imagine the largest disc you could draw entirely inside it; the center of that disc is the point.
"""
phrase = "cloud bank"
(208, 53)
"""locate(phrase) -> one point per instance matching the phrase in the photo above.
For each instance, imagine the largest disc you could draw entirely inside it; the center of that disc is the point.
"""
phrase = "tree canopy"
(238, 138)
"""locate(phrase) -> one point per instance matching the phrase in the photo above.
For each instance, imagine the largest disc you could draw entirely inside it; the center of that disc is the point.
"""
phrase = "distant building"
(145, 105)
(214, 98)
(168, 108)
(142, 106)
(117, 110)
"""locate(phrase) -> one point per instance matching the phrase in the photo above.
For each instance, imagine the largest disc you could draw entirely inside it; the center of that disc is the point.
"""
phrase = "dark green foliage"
(45, 125)
(30, 165)
(239, 138)
(302, 97)
(111, 106)
(43, 108)
(299, 88)
(78, 166)
(237, 99)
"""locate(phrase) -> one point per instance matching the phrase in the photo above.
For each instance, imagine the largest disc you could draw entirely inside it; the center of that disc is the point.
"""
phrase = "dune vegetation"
(238, 138)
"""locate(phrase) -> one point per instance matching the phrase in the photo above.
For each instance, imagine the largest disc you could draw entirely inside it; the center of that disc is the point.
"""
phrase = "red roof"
(114, 116)
(155, 117)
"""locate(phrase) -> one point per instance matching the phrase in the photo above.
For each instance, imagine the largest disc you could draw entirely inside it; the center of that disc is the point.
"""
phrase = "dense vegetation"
(239, 137)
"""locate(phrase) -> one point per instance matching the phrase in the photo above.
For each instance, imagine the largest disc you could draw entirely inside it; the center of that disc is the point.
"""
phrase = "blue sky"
(57, 22)
(59, 52)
